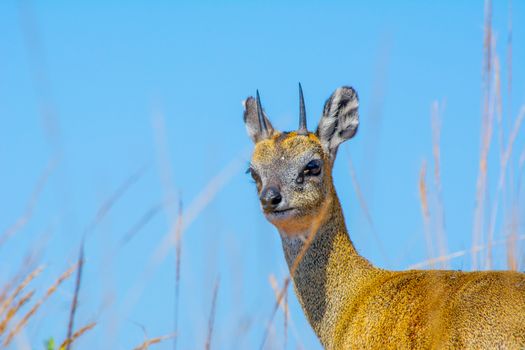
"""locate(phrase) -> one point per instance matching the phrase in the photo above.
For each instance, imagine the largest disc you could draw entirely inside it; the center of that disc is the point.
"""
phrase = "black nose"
(270, 198)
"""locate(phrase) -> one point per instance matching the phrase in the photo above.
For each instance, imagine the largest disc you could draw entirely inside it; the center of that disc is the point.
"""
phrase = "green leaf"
(50, 344)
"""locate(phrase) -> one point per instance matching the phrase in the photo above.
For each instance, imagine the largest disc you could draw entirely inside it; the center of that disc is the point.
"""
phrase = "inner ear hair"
(340, 119)
(251, 120)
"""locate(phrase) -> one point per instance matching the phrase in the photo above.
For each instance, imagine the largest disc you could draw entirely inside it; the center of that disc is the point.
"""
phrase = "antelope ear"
(340, 119)
(256, 131)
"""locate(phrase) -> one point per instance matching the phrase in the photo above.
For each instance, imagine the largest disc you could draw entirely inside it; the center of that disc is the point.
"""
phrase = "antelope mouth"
(281, 214)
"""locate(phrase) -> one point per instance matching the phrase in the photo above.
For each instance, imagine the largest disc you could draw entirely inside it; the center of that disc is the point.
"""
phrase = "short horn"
(302, 114)
(262, 120)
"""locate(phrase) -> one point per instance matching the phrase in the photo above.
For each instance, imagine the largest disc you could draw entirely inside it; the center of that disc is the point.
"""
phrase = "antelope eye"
(253, 174)
(313, 168)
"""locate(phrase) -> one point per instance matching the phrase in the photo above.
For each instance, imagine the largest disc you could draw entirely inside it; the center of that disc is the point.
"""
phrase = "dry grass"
(509, 60)
(141, 223)
(14, 309)
(461, 253)
(431, 197)
(17, 305)
(177, 229)
(9, 333)
(440, 232)
(423, 194)
(13, 319)
(166, 177)
(30, 206)
(283, 305)
(74, 302)
(486, 136)
(488, 218)
(6, 298)
(211, 319)
(66, 344)
(6, 301)
(145, 345)
(363, 204)
(287, 318)
(178, 255)
(112, 199)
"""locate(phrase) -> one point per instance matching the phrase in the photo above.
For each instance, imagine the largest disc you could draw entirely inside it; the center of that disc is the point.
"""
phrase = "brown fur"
(353, 305)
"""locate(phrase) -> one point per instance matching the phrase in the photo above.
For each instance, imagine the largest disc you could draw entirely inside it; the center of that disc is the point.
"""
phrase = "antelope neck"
(330, 273)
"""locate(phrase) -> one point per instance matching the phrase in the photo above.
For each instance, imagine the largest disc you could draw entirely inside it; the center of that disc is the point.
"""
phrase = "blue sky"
(89, 84)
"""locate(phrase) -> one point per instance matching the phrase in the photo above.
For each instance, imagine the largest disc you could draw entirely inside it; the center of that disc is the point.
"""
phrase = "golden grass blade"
(50, 291)
(502, 176)
(286, 317)
(487, 40)
(364, 207)
(286, 312)
(486, 136)
(509, 60)
(39, 75)
(283, 305)
(275, 286)
(499, 104)
(74, 302)
(73, 337)
(141, 223)
(512, 242)
(106, 206)
(152, 341)
(19, 288)
(460, 253)
(166, 177)
(178, 254)
(14, 309)
(211, 320)
(31, 204)
(521, 165)
(425, 210)
(441, 235)
(197, 206)
(163, 161)
(501, 140)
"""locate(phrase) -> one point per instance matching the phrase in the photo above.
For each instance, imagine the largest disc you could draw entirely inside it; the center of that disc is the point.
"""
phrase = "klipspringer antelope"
(349, 302)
